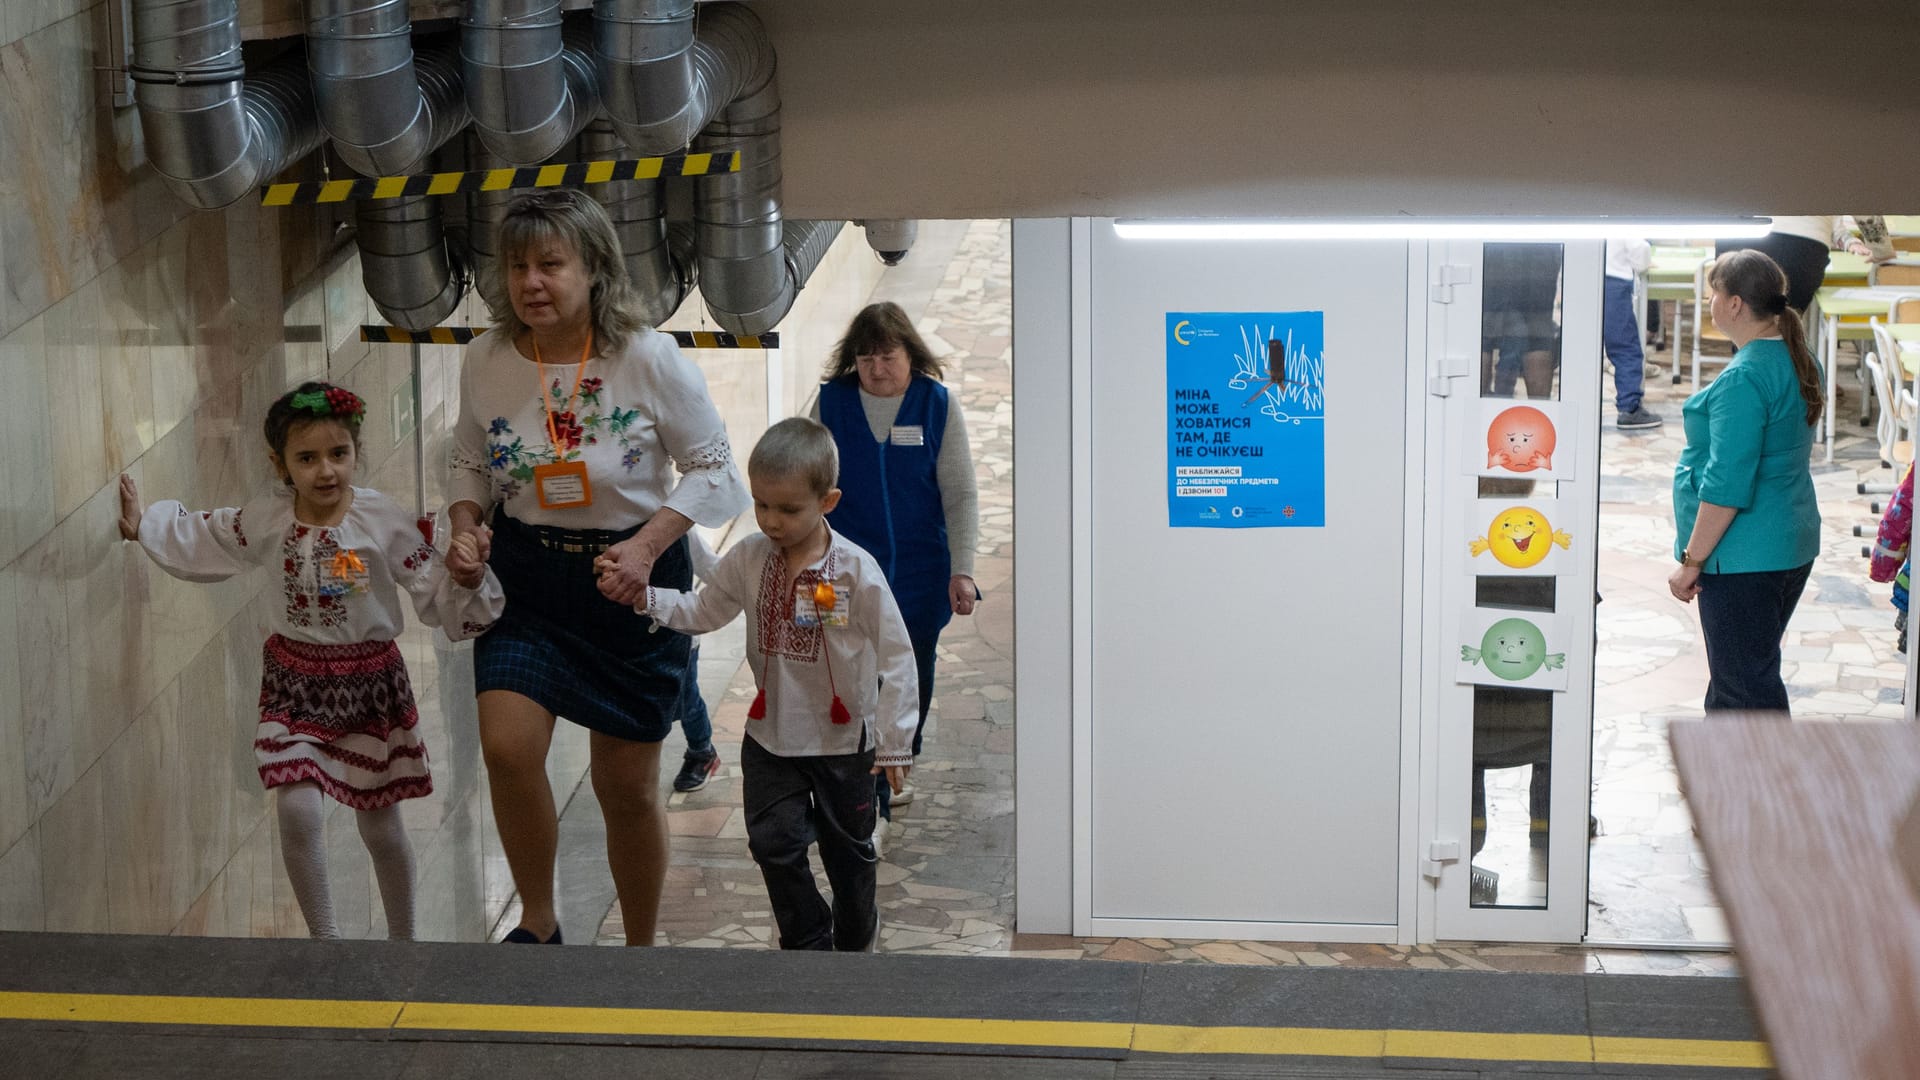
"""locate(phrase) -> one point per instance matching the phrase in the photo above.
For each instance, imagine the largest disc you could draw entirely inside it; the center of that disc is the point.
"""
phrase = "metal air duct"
(404, 261)
(661, 84)
(383, 118)
(485, 209)
(212, 131)
(660, 281)
(529, 77)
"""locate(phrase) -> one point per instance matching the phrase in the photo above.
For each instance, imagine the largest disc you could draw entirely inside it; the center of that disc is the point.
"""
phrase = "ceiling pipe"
(369, 97)
(214, 133)
(405, 262)
(529, 77)
(661, 83)
(660, 281)
(485, 211)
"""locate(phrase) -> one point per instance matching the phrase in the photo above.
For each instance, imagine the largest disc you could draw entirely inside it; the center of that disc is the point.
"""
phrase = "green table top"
(1846, 268)
(1905, 332)
(1903, 224)
(1836, 305)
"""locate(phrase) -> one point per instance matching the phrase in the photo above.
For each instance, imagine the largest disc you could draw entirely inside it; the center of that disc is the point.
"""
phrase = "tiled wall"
(139, 336)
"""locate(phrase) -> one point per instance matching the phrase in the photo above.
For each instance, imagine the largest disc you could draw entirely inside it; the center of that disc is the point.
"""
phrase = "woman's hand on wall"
(962, 593)
(624, 569)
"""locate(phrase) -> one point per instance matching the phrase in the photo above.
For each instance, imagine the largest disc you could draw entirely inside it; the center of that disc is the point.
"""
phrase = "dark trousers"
(923, 655)
(1620, 335)
(1743, 617)
(790, 803)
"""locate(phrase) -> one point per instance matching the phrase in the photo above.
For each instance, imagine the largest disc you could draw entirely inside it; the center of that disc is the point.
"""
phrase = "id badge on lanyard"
(561, 485)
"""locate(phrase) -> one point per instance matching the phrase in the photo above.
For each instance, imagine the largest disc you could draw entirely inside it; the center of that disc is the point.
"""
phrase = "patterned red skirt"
(343, 717)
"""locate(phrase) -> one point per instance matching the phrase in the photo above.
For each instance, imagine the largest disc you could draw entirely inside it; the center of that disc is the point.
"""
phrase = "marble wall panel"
(26, 442)
(111, 644)
(17, 809)
(72, 358)
(21, 905)
(144, 810)
(73, 858)
(41, 643)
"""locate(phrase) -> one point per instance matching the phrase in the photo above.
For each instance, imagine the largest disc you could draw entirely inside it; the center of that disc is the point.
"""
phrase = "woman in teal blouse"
(1743, 506)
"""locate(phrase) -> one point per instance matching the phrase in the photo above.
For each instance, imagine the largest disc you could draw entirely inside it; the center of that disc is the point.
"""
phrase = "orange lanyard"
(546, 399)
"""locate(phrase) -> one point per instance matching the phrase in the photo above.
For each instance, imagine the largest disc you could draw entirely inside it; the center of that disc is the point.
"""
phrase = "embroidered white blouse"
(637, 418)
(869, 660)
(339, 582)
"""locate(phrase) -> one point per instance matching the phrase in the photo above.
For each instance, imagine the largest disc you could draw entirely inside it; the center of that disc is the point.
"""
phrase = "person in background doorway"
(1801, 246)
(586, 447)
(1747, 525)
(908, 494)
(1620, 333)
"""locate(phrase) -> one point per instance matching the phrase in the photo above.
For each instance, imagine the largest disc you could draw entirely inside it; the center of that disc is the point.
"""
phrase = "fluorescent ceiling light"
(1445, 228)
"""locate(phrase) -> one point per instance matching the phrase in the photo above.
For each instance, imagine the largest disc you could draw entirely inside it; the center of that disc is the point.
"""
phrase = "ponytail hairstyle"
(1760, 284)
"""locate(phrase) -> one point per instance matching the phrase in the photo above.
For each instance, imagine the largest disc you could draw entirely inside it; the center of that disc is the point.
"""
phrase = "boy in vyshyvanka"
(838, 695)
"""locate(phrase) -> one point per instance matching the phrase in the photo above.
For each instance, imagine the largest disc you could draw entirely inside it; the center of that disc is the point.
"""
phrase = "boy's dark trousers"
(790, 803)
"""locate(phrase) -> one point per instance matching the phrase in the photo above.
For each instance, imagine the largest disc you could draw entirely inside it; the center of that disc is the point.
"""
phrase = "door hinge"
(1440, 383)
(1439, 854)
(1449, 275)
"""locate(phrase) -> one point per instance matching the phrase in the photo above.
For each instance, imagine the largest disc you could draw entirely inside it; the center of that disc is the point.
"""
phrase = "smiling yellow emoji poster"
(1517, 537)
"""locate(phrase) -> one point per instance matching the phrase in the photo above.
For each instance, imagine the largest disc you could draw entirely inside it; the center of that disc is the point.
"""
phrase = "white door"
(1512, 478)
(1250, 634)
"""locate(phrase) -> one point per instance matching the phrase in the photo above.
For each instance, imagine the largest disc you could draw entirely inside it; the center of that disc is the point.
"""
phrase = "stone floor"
(946, 883)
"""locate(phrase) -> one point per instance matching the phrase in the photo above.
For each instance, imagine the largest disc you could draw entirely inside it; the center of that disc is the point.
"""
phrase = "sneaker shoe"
(696, 769)
(1637, 420)
(905, 794)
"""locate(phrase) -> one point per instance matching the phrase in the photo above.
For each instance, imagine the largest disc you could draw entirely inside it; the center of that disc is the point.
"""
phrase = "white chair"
(1703, 324)
(1895, 397)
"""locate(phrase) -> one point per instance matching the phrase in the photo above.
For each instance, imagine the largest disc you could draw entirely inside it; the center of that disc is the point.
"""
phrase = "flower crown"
(332, 402)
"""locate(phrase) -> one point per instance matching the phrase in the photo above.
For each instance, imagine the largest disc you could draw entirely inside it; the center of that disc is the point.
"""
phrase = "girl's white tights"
(302, 810)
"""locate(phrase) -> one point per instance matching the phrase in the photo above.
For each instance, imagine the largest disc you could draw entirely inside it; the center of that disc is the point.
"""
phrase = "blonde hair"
(797, 447)
(570, 217)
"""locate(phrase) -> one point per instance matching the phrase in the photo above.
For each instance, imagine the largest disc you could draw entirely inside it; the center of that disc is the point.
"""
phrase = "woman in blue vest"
(907, 491)
(1748, 528)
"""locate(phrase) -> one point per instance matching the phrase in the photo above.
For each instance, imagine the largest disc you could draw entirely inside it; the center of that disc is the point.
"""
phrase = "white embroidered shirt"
(339, 583)
(869, 660)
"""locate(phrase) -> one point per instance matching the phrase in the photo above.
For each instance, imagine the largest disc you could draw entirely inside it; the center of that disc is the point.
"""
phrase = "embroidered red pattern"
(778, 634)
(301, 604)
(421, 556)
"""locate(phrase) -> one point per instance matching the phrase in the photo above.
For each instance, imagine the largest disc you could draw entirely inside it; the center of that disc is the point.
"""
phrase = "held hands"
(131, 509)
(962, 594)
(466, 562)
(896, 775)
(624, 571)
(1684, 583)
(467, 555)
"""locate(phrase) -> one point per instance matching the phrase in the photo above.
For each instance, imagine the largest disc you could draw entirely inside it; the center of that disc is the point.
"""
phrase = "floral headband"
(332, 402)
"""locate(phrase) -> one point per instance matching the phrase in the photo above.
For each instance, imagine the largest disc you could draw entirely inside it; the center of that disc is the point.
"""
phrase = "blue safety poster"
(1246, 419)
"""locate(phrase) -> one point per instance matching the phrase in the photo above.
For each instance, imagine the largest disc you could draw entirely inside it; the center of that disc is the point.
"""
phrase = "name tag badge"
(562, 485)
(908, 435)
(808, 612)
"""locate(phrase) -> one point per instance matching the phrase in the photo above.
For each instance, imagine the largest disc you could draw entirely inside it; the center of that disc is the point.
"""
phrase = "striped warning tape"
(460, 335)
(576, 174)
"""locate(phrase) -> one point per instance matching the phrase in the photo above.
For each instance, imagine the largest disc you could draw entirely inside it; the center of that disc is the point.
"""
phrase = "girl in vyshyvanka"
(337, 716)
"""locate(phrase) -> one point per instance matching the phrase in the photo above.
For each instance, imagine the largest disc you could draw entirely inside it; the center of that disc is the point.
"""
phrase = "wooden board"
(1799, 822)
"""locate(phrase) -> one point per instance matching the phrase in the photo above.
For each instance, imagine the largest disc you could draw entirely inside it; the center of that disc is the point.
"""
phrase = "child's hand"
(131, 509)
(464, 564)
(896, 775)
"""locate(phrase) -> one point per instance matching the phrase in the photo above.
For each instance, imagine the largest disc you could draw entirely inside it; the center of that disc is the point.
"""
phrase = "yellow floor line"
(816, 1027)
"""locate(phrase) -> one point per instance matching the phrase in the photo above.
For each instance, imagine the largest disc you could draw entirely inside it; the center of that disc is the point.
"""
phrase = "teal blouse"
(1748, 447)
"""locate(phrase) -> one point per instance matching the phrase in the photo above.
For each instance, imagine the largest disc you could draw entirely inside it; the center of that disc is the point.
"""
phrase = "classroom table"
(1903, 224)
(1856, 305)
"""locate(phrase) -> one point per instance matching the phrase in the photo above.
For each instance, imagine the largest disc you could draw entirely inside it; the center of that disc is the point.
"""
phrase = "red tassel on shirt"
(839, 712)
(758, 710)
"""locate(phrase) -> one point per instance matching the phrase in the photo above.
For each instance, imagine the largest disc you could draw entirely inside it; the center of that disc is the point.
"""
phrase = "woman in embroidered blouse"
(574, 419)
(1747, 525)
(908, 494)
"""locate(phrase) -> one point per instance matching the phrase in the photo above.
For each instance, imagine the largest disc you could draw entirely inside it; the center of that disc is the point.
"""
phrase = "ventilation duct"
(661, 276)
(212, 131)
(384, 117)
(661, 85)
(485, 209)
(529, 77)
(404, 261)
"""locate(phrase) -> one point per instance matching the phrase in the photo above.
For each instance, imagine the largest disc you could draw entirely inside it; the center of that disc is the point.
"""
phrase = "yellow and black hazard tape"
(576, 174)
(460, 335)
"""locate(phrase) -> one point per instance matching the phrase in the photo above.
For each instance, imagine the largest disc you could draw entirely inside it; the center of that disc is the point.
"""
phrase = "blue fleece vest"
(890, 497)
